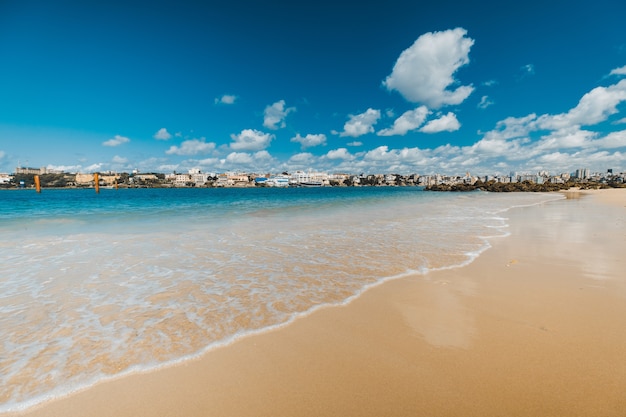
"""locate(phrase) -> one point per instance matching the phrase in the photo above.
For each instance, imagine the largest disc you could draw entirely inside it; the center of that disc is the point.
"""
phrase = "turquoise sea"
(95, 286)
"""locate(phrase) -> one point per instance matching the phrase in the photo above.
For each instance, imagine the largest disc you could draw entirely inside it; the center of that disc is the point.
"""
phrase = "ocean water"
(95, 286)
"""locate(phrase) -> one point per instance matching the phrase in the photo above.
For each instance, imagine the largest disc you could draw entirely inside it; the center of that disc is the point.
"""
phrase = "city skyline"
(396, 87)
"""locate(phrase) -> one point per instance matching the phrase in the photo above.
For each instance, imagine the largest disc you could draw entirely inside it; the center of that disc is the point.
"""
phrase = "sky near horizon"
(375, 87)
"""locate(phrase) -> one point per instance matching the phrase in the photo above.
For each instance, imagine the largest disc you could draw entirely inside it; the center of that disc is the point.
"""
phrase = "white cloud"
(612, 140)
(251, 140)
(341, 153)
(208, 162)
(226, 99)
(251, 161)
(162, 134)
(528, 69)
(93, 167)
(274, 115)
(355, 143)
(618, 71)
(571, 137)
(484, 102)
(447, 123)
(424, 71)
(594, 107)
(192, 147)
(310, 140)
(262, 156)
(117, 140)
(119, 160)
(409, 120)
(66, 168)
(239, 158)
(361, 124)
(301, 157)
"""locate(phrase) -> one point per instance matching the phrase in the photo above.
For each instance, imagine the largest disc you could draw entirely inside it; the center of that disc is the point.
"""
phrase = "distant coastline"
(24, 178)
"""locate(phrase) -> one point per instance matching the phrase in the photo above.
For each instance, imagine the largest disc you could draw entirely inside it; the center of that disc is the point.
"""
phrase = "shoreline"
(410, 346)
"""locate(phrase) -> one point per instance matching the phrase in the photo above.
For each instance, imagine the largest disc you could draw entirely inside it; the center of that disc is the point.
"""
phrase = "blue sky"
(375, 87)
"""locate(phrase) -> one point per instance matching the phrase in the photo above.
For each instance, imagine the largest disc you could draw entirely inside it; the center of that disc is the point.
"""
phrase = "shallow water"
(93, 286)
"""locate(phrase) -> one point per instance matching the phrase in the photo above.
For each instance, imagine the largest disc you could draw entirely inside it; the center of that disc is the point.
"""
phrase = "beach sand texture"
(536, 326)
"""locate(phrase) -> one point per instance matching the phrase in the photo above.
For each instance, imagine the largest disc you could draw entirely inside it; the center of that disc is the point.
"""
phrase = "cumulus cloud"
(341, 153)
(302, 157)
(484, 102)
(250, 161)
(355, 143)
(594, 107)
(446, 123)
(117, 140)
(192, 147)
(93, 167)
(424, 72)
(618, 71)
(239, 158)
(409, 120)
(250, 140)
(274, 115)
(226, 99)
(310, 140)
(162, 134)
(360, 124)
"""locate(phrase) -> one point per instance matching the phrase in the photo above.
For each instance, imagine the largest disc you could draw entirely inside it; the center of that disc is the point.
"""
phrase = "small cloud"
(178, 134)
(162, 134)
(301, 157)
(93, 167)
(355, 143)
(250, 140)
(117, 140)
(619, 71)
(490, 83)
(361, 124)
(424, 71)
(341, 153)
(409, 120)
(226, 99)
(526, 71)
(192, 147)
(484, 102)
(274, 115)
(310, 140)
(447, 123)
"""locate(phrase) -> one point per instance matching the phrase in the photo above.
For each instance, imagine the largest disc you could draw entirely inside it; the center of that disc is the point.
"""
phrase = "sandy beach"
(536, 326)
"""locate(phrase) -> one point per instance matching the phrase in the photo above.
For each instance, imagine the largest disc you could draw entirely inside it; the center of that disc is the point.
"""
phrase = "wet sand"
(535, 327)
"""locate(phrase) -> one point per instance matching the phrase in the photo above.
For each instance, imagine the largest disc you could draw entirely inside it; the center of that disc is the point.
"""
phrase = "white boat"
(277, 181)
(310, 184)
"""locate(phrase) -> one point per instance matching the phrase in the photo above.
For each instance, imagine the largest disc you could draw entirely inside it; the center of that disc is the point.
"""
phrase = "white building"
(301, 177)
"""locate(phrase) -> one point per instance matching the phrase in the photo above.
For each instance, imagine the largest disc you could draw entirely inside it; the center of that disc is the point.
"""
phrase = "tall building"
(582, 173)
